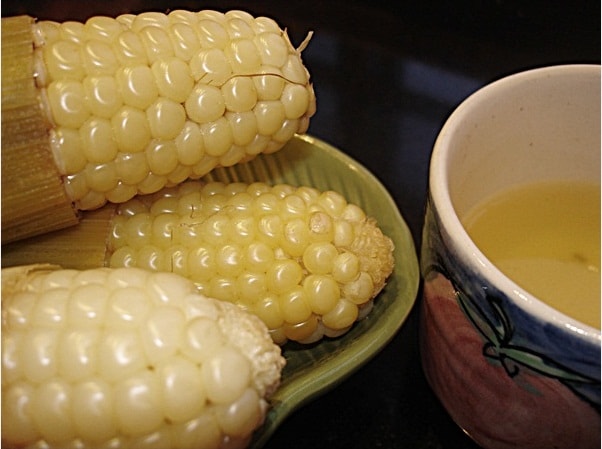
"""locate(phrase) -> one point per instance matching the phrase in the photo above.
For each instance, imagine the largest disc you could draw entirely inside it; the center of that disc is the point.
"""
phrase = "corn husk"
(83, 246)
(34, 200)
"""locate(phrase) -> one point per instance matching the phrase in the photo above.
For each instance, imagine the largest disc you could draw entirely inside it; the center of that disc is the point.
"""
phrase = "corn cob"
(308, 263)
(125, 358)
(140, 102)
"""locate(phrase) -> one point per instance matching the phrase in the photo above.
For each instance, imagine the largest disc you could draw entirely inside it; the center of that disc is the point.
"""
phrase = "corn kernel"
(67, 146)
(226, 375)
(182, 389)
(63, 61)
(294, 70)
(212, 34)
(296, 237)
(17, 426)
(189, 144)
(129, 49)
(38, 359)
(210, 66)
(229, 260)
(201, 262)
(239, 94)
(294, 307)
(131, 130)
(319, 258)
(102, 28)
(269, 84)
(161, 334)
(358, 291)
(132, 168)
(284, 275)
(94, 423)
(270, 115)
(152, 183)
(120, 354)
(76, 185)
(67, 99)
(242, 416)
(239, 26)
(345, 267)
(155, 40)
(180, 174)
(98, 58)
(138, 410)
(98, 145)
(295, 100)
(251, 286)
(137, 86)
(47, 32)
(205, 104)
(50, 410)
(166, 118)
(121, 192)
(272, 49)
(182, 16)
(173, 78)
(184, 39)
(341, 316)
(150, 18)
(91, 200)
(101, 177)
(243, 56)
(267, 308)
(321, 292)
(102, 97)
(217, 137)
(286, 132)
(302, 331)
(151, 258)
(124, 256)
(162, 156)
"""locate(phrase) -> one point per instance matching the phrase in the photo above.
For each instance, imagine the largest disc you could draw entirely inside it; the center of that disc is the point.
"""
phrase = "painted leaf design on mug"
(498, 332)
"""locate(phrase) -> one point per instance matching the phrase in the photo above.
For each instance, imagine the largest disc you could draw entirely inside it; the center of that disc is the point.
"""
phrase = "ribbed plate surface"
(311, 371)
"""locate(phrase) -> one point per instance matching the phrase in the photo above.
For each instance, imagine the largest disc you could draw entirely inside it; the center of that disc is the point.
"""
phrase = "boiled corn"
(125, 358)
(308, 263)
(145, 101)
(139, 102)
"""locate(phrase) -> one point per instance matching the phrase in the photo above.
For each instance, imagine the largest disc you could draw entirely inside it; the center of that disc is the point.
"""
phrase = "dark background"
(386, 75)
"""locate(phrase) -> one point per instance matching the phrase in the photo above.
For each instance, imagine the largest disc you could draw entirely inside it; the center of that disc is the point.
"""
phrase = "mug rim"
(467, 249)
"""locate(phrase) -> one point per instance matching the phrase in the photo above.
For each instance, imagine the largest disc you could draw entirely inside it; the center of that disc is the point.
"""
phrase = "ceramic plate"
(313, 370)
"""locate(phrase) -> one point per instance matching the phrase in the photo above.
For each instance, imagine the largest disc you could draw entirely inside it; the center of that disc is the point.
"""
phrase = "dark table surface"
(386, 76)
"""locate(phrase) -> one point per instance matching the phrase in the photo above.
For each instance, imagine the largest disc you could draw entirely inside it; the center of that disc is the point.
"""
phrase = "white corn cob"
(307, 262)
(124, 358)
(140, 102)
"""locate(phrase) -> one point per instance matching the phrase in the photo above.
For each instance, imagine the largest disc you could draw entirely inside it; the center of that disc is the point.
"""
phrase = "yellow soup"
(546, 238)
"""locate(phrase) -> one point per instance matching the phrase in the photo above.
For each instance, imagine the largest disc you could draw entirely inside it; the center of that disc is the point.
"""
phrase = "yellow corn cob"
(140, 102)
(125, 358)
(306, 262)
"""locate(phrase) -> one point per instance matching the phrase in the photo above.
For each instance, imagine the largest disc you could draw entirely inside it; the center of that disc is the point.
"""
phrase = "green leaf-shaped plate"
(313, 370)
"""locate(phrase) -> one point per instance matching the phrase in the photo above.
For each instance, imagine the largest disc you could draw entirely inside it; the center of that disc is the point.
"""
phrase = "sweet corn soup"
(546, 237)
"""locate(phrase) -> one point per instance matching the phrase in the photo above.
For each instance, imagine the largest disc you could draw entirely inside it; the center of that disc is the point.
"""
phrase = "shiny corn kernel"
(67, 100)
(131, 130)
(137, 86)
(102, 96)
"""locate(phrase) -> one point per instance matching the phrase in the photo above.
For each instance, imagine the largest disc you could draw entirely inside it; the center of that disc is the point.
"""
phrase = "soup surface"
(546, 238)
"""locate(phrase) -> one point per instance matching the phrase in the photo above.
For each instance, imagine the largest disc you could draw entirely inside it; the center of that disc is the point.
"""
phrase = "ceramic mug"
(509, 369)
